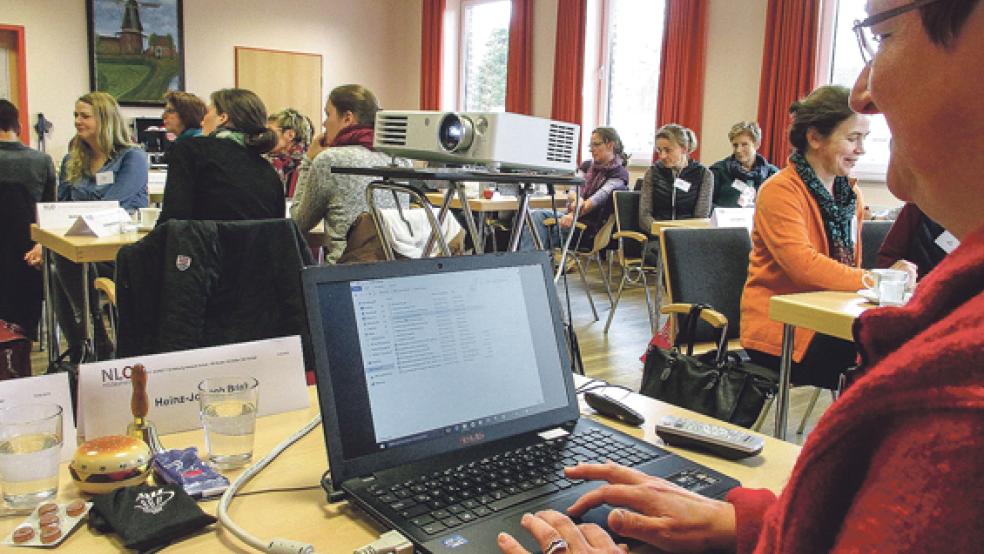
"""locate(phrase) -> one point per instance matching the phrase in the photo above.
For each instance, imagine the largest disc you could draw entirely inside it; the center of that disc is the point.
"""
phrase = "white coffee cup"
(888, 285)
(148, 216)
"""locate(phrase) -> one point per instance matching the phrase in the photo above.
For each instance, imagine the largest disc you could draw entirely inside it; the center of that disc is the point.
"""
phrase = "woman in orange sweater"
(805, 236)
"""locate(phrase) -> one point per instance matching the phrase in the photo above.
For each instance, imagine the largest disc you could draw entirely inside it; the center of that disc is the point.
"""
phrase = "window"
(621, 76)
(484, 55)
(844, 61)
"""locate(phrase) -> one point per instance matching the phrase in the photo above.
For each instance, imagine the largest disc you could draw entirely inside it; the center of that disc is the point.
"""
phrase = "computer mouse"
(613, 408)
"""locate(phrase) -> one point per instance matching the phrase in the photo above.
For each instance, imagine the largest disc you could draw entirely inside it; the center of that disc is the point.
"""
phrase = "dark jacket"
(211, 178)
(912, 237)
(662, 200)
(27, 166)
(728, 170)
(190, 284)
(20, 284)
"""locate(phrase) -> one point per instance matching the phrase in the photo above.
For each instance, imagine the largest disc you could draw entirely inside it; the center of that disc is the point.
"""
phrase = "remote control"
(727, 443)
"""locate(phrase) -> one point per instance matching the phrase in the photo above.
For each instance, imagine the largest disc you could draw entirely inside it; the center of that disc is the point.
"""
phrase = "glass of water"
(228, 410)
(30, 448)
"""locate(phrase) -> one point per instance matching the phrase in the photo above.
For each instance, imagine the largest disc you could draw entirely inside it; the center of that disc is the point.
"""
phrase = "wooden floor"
(614, 357)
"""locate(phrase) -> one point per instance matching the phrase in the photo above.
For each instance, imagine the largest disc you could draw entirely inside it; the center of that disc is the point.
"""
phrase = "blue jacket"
(129, 185)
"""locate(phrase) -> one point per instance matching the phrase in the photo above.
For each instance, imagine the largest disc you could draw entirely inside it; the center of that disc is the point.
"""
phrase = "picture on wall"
(136, 49)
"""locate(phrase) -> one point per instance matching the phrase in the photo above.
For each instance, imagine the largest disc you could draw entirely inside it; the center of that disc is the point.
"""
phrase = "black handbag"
(717, 383)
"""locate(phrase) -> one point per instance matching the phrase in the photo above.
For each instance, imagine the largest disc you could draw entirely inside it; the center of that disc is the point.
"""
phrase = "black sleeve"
(179, 189)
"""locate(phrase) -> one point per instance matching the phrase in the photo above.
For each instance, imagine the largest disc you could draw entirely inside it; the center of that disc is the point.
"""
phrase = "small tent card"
(733, 217)
(61, 215)
(99, 224)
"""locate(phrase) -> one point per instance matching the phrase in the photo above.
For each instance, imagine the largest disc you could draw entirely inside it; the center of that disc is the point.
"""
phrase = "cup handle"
(868, 280)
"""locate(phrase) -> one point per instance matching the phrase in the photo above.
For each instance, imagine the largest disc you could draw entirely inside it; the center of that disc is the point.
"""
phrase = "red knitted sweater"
(897, 463)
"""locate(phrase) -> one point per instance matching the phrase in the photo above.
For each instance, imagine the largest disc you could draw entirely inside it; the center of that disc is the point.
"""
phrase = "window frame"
(461, 71)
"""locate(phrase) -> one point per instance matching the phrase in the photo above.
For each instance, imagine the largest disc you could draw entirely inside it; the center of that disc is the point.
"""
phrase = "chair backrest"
(873, 234)
(627, 219)
(707, 266)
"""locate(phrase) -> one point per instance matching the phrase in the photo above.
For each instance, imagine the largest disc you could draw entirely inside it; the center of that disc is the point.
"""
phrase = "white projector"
(497, 140)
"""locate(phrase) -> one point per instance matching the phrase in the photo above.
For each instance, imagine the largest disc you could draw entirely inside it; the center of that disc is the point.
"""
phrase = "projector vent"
(560, 145)
(391, 130)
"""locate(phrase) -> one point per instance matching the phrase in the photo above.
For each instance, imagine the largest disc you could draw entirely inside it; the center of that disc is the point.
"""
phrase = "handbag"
(717, 383)
(15, 351)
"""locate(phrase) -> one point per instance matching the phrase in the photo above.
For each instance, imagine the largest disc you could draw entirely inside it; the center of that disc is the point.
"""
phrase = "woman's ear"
(348, 118)
(814, 138)
(223, 118)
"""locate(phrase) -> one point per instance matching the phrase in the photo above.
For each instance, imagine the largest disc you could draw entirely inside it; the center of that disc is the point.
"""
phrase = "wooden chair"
(589, 254)
(632, 243)
(107, 288)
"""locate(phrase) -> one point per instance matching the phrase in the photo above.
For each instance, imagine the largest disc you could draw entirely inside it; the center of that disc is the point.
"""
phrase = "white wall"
(372, 42)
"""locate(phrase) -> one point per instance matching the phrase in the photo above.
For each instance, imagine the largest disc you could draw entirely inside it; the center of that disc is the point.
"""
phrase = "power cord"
(276, 545)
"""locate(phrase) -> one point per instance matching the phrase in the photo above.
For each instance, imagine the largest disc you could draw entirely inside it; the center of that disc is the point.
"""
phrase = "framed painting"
(136, 49)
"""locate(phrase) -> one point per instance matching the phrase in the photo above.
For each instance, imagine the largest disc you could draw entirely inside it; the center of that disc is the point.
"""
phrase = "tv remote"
(727, 443)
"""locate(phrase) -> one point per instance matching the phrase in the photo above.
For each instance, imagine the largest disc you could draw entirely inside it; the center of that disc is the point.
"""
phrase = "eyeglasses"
(170, 110)
(867, 40)
(594, 144)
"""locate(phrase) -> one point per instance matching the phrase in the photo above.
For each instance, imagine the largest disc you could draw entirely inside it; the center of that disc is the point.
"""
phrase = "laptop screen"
(427, 356)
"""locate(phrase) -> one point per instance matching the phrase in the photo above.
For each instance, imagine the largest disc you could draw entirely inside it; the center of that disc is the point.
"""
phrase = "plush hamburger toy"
(107, 463)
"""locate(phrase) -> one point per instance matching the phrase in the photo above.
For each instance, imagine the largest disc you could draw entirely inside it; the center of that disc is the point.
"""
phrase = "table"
(828, 312)
(483, 206)
(698, 223)
(306, 515)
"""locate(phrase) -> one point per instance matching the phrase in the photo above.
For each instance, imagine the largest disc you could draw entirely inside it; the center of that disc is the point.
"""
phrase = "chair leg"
(761, 417)
(618, 296)
(809, 410)
(584, 283)
(649, 304)
(604, 277)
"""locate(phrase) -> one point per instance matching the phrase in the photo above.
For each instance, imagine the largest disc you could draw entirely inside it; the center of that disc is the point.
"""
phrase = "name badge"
(947, 241)
(740, 186)
(682, 185)
(104, 178)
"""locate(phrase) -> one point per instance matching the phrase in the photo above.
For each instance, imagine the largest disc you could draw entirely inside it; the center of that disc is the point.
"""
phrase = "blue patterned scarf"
(838, 211)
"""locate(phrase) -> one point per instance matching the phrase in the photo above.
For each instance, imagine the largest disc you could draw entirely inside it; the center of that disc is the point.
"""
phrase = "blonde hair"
(289, 118)
(679, 135)
(111, 135)
(749, 128)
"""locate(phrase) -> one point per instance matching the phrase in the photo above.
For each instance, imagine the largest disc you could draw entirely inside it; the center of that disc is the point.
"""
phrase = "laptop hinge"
(334, 495)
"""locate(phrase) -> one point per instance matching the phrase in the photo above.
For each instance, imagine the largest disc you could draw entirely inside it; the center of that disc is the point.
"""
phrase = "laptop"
(448, 406)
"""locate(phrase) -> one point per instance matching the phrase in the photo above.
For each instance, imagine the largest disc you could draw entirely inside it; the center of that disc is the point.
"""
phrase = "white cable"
(277, 545)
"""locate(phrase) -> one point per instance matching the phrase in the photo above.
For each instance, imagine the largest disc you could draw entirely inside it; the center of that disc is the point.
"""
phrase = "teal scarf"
(838, 211)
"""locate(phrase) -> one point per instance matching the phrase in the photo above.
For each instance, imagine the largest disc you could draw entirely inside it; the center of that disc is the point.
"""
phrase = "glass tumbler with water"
(30, 448)
(228, 410)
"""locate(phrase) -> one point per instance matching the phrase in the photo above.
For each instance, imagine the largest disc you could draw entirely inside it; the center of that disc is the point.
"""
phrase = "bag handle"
(688, 326)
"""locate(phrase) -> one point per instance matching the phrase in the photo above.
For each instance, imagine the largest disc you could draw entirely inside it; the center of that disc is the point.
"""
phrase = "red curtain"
(519, 69)
(788, 70)
(569, 61)
(681, 69)
(431, 54)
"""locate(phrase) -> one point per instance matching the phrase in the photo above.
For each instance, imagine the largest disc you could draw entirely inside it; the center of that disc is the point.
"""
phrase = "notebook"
(448, 403)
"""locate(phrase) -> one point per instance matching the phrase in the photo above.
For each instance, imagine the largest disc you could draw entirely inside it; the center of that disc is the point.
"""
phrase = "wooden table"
(698, 223)
(306, 516)
(500, 204)
(828, 312)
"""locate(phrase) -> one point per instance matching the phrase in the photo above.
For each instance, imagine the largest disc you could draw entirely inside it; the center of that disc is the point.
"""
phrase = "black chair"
(873, 234)
(20, 284)
(632, 242)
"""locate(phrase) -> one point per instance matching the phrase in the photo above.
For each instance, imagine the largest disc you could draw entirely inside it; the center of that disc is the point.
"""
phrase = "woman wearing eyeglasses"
(895, 464)
(183, 113)
(293, 132)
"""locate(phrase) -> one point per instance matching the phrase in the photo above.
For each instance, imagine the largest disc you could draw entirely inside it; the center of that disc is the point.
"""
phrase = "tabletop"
(498, 204)
(828, 312)
(83, 248)
(697, 223)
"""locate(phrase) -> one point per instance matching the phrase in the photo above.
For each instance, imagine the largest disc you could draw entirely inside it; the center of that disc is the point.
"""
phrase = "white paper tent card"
(61, 215)
(99, 224)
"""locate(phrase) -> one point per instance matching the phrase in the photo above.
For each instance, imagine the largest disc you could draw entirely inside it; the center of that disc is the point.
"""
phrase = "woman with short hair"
(222, 174)
(183, 113)
(738, 177)
(293, 131)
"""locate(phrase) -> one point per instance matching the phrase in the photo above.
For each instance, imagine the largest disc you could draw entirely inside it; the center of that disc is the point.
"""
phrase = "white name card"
(733, 217)
(156, 181)
(99, 224)
(172, 384)
(61, 215)
(44, 389)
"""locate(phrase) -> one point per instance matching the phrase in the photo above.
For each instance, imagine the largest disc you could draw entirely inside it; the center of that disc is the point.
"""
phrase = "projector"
(496, 140)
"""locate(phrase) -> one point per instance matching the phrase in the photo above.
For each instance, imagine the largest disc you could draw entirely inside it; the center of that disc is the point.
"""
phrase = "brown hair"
(823, 110)
(9, 116)
(749, 128)
(679, 135)
(943, 21)
(248, 115)
(609, 134)
(356, 99)
(190, 108)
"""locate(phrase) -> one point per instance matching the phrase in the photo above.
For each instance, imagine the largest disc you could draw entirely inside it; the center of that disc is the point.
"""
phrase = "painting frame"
(135, 62)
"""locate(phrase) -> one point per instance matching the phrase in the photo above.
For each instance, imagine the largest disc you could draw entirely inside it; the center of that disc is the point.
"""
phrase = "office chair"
(873, 234)
(632, 243)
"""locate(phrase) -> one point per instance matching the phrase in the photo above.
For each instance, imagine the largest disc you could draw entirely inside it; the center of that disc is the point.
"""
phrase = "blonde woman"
(293, 131)
(102, 164)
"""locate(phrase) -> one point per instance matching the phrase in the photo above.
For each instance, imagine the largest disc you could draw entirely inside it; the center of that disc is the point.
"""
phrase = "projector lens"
(455, 133)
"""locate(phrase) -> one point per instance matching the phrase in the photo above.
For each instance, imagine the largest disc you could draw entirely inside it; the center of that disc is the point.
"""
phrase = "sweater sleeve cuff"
(750, 507)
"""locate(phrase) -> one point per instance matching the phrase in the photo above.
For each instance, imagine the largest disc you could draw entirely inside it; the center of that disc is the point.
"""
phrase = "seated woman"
(916, 238)
(603, 174)
(222, 175)
(101, 164)
(183, 113)
(805, 236)
(738, 177)
(350, 115)
(675, 187)
(293, 132)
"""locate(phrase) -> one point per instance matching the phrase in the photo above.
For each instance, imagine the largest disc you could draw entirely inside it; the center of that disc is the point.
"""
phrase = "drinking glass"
(228, 411)
(30, 445)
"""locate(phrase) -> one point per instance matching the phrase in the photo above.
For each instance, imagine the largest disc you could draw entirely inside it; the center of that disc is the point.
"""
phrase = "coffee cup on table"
(888, 285)
(148, 216)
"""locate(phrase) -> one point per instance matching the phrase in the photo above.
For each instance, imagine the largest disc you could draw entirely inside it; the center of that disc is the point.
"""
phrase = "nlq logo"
(117, 374)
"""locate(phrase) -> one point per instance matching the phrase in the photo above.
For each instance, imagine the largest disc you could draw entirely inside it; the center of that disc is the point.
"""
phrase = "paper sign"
(46, 389)
(682, 185)
(733, 217)
(947, 241)
(156, 181)
(172, 384)
(61, 215)
(99, 224)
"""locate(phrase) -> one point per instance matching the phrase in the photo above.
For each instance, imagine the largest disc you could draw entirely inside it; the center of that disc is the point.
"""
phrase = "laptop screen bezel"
(343, 467)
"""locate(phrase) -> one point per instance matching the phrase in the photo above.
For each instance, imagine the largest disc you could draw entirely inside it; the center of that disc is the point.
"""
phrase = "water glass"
(30, 447)
(228, 411)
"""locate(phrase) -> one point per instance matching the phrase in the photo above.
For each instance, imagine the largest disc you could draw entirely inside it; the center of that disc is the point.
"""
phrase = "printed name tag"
(682, 185)
(947, 242)
(740, 186)
(104, 178)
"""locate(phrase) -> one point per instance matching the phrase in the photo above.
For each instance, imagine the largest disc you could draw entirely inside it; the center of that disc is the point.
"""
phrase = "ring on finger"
(556, 545)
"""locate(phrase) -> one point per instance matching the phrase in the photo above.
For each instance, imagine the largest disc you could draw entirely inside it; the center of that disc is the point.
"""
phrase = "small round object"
(75, 508)
(47, 519)
(23, 534)
(50, 534)
(52, 525)
(47, 508)
(556, 545)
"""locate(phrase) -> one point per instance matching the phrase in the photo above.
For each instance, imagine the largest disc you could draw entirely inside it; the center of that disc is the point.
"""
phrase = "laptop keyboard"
(443, 500)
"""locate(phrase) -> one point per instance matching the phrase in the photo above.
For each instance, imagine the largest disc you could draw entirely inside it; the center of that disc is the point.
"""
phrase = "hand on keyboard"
(556, 534)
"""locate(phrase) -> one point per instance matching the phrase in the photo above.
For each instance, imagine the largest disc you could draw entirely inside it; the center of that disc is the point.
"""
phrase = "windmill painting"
(136, 50)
